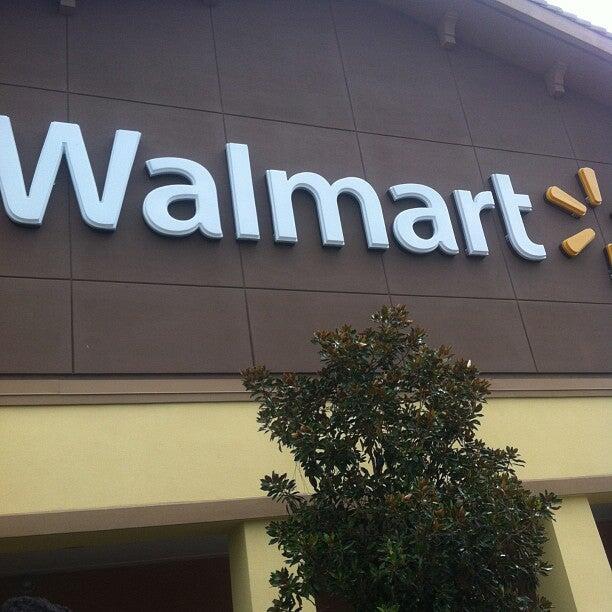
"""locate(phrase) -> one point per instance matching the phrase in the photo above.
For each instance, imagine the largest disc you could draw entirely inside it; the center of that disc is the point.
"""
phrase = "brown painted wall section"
(342, 88)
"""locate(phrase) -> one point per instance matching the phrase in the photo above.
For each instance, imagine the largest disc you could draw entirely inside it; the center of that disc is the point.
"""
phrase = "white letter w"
(65, 139)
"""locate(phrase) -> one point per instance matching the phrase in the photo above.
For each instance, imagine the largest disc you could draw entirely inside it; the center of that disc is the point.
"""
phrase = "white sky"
(598, 12)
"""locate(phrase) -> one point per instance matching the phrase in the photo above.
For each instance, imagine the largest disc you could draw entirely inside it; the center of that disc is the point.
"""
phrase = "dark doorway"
(602, 513)
(194, 585)
(124, 571)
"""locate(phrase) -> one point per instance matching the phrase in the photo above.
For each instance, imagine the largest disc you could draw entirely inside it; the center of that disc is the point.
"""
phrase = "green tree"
(409, 509)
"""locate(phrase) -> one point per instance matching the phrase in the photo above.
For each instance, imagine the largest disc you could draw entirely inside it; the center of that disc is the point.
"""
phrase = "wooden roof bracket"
(446, 29)
(555, 79)
(66, 7)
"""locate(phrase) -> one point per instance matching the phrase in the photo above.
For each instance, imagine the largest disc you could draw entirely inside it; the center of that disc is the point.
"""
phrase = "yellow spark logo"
(575, 244)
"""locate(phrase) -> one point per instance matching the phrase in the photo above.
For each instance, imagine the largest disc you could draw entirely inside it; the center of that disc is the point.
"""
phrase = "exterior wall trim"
(220, 511)
(559, 23)
(143, 390)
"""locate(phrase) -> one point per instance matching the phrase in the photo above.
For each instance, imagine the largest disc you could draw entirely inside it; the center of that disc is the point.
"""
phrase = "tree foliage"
(408, 510)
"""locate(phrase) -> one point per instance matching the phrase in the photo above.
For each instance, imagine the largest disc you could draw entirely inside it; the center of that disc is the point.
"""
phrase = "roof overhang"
(528, 34)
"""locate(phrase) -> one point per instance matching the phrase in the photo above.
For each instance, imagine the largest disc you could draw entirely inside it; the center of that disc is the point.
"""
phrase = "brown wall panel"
(391, 161)
(280, 60)
(32, 44)
(582, 278)
(282, 323)
(506, 107)
(34, 326)
(124, 328)
(149, 50)
(569, 337)
(489, 332)
(398, 76)
(40, 252)
(306, 265)
(589, 126)
(134, 252)
(340, 88)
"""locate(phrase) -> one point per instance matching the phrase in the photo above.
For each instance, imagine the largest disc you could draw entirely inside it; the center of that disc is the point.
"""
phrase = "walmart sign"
(102, 212)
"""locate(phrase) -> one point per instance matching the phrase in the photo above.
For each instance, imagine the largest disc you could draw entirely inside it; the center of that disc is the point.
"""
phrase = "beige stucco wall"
(73, 457)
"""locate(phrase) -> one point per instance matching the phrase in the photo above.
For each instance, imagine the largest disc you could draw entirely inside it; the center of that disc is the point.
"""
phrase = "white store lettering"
(66, 140)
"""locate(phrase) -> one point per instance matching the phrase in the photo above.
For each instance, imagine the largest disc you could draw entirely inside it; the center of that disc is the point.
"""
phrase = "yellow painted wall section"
(557, 437)
(580, 580)
(76, 457)
(251, 562)
(73, 457)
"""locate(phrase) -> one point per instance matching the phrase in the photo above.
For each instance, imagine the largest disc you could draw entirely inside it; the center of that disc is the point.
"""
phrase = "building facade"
(218, 180)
